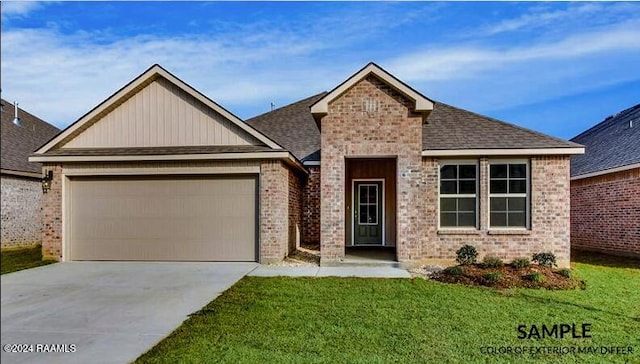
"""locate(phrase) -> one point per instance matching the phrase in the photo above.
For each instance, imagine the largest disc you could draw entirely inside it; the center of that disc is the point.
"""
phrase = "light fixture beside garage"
(46, 181)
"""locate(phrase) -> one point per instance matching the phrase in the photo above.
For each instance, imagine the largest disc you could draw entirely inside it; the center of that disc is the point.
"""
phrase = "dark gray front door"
(367, 215)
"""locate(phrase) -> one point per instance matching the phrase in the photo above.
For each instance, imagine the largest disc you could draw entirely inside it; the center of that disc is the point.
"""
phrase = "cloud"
(582, 15)
(494, 77)
(19, 8)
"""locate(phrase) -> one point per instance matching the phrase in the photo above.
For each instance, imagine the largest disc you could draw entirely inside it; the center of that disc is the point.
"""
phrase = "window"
(458, 195)
(508, 194)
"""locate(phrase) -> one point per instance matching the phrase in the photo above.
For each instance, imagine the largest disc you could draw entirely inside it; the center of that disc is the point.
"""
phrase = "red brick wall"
(605, 213)
(389, 129)
(311, 208)
(274, 211)
(295, 210)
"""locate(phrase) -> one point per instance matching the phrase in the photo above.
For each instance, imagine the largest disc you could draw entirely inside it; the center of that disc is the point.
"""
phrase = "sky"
(555, 67)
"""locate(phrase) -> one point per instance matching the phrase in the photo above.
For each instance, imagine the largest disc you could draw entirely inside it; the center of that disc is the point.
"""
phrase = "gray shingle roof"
(449, 127)
(18, 142)
(610, 144)
(198, 149)
(292, 127)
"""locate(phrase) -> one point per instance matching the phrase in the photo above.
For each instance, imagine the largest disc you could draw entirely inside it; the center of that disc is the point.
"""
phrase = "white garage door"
(162, 218)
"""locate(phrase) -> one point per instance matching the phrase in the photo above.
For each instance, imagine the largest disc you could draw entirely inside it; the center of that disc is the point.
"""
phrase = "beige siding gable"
(158, 115)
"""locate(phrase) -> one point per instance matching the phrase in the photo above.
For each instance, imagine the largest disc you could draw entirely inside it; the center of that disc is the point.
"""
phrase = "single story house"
(605, 186)
(19, 179)
(158, 171)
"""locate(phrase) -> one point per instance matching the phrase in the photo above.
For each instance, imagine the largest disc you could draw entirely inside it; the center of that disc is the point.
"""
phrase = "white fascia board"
(606, 171)
(478, 152)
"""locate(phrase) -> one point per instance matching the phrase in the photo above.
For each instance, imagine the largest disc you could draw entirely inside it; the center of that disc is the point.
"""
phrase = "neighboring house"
(20, 179)
(160, 172)
(605, 186)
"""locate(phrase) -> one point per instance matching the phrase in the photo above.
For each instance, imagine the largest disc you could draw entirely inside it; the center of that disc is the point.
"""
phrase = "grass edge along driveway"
(327, 320)
(15, 259)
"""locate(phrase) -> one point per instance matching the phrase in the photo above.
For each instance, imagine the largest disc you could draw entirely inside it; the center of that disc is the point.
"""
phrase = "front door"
(368, 218)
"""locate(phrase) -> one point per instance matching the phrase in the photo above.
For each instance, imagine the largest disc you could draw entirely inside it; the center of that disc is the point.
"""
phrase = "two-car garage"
(162, 218)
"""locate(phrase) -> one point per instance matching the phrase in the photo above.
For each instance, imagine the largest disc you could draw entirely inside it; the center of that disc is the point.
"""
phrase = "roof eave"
(502, 152)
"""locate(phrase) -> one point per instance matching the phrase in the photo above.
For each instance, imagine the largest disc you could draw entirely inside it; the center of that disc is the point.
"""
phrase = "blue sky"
(554, 67)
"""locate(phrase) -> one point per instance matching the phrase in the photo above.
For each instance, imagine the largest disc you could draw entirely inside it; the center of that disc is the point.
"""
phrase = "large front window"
(458, 195)
(508, 194)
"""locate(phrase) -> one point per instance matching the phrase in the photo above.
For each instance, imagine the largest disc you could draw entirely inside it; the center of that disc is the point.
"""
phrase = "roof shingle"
(18, 142)
(446, 127)
(293, 127)
(612, 143)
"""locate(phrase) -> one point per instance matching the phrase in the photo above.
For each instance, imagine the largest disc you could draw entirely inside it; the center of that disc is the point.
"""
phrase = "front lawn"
(19, 259)
(350, 320)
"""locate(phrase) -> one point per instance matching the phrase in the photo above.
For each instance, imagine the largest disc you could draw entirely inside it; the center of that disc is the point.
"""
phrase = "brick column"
(274, 211)
(52, 215)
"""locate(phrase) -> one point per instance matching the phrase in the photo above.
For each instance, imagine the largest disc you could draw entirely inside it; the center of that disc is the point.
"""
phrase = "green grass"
(18, 259)
(350, 320)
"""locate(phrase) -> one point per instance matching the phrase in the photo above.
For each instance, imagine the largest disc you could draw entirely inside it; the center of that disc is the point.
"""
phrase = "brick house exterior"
(605, 186)
(20, 180)
(370, 164)
(375, 117)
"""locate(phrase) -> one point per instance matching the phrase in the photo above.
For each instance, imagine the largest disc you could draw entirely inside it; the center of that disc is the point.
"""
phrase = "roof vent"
(16, 119)
(630, 123)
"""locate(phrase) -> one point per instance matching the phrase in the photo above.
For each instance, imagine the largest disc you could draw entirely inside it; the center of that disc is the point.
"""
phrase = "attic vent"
(369, 105)
(630, 123)
(16, 119)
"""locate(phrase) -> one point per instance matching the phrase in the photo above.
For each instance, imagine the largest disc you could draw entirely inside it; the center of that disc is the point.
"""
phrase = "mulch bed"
(473, 275)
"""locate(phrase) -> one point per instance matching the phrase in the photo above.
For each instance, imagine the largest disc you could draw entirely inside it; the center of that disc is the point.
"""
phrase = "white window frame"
(458, 162)
(527, 195)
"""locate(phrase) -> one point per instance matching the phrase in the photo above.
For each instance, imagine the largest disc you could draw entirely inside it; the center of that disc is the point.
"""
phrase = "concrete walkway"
(111, 312)
(313, 271)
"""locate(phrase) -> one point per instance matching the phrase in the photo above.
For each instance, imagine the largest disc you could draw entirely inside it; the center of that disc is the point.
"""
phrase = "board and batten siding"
(161, 115)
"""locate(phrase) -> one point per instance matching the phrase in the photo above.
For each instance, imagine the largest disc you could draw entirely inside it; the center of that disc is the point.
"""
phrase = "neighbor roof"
(446, 128)
(18, 142)
(293, 127)
(612, 143)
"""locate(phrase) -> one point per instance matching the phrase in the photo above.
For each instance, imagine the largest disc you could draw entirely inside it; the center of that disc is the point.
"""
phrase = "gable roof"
(448, 130)
(611, 144)
(421, 103)
(18, 142)
(452, 128)
(146, 78)
(293, 127)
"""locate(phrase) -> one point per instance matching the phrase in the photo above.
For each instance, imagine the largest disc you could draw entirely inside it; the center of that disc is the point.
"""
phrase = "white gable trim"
(422, 104)
(145, 78)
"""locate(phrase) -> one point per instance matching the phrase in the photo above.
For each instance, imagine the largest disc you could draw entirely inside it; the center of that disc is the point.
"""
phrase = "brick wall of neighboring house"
(549, 216)
(605, 213)
(388, 127)
(274, 211)
(21, 211)
(311, 208)
(295, 210)
(52, 215)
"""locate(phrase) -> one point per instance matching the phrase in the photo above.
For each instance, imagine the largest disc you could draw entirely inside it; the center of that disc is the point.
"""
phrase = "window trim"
(527, 208)
(458, 162)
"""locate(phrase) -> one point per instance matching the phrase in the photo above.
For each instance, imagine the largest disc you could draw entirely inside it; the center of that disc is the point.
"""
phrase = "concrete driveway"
(104, 312)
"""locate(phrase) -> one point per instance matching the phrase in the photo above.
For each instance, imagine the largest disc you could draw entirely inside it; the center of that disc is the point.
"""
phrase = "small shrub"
(547, 259)
(521, 263)
(453, 271)
(492, 277)
(566, 272)
(535, 277)
(492, 262)
(466, 255)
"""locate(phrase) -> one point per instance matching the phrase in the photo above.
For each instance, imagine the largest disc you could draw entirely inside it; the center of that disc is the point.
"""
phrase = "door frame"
(353, 210)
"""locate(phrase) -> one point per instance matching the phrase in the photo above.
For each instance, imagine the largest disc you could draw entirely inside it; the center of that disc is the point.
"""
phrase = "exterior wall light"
(46, 181)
